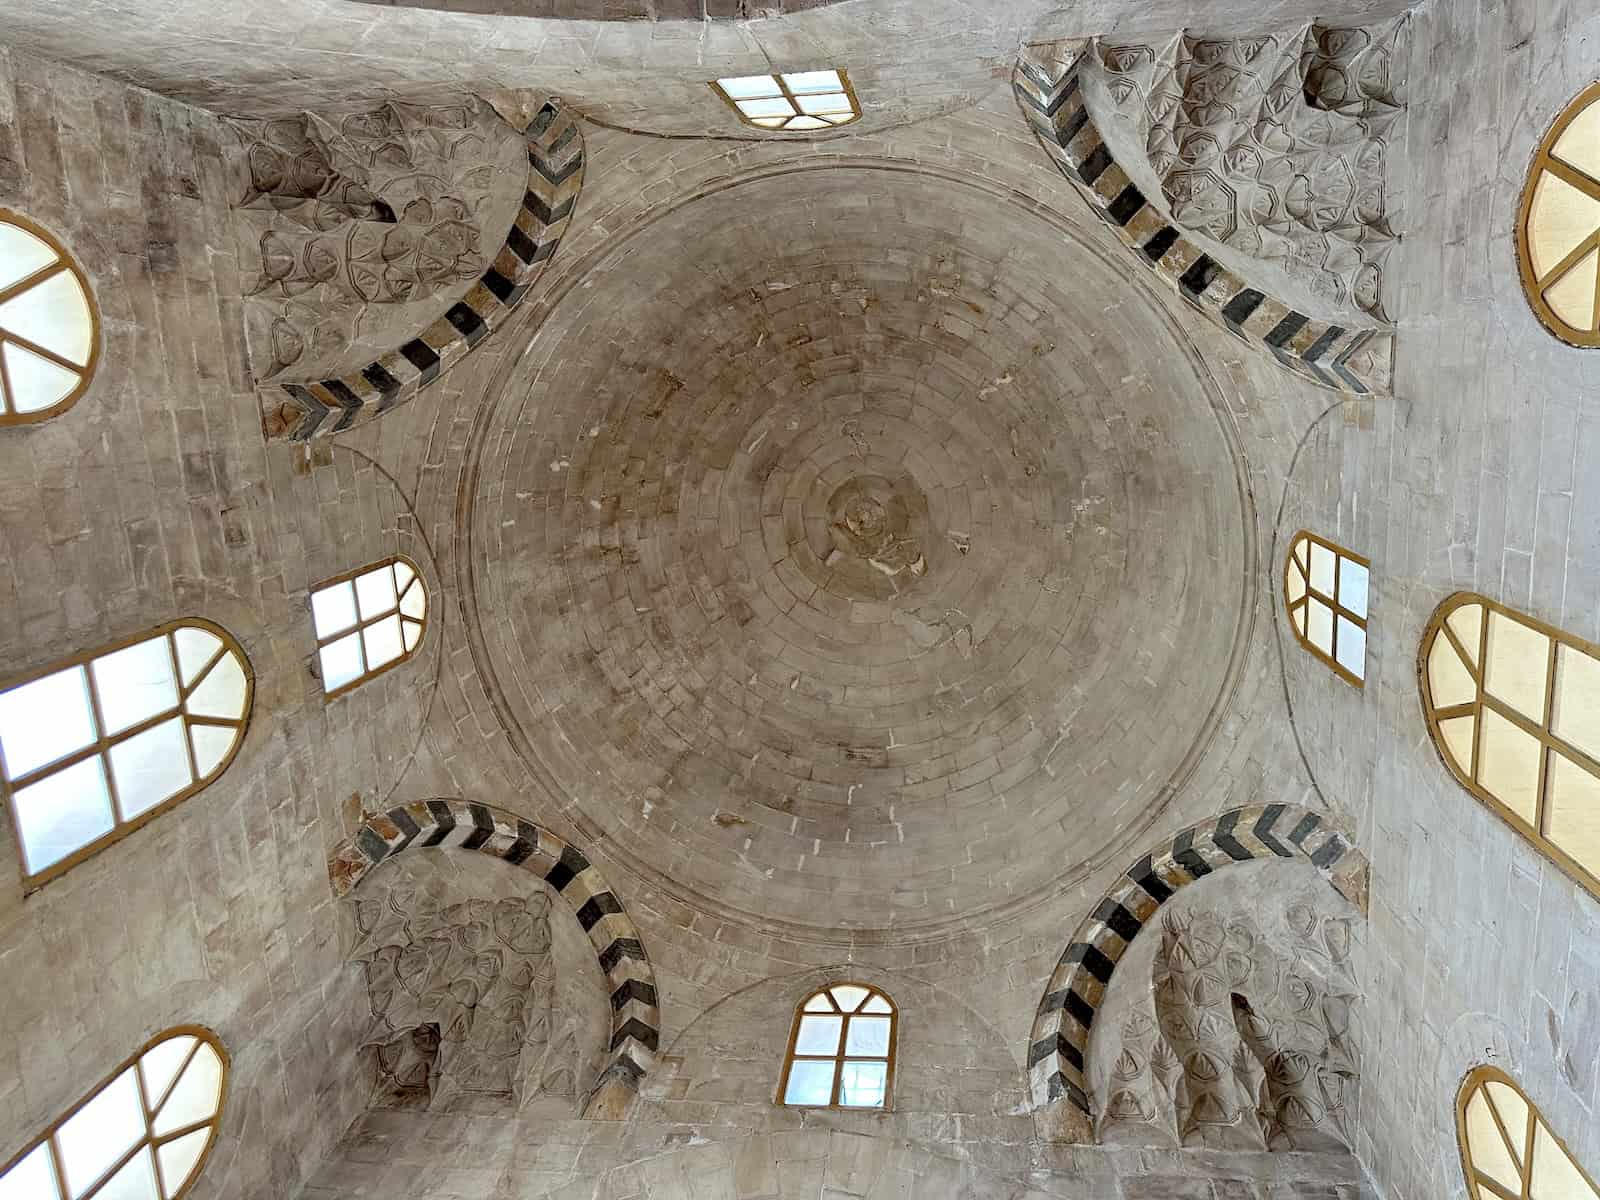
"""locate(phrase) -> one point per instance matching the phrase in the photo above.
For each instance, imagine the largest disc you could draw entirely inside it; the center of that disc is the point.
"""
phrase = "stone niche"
(484, 993)
(1232, 1021)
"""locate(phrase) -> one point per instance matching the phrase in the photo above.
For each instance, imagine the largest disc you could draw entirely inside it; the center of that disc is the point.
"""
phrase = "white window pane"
(55, 314)
(769, 122)
(1320, 631)
(196, 647)
(160, 1065)
(807, 123)
(818, 1003)
(36, 383)
(414, 602)
(136, 1180)
(383, 642)
(179, 1159)
(849, 997)
(221, 692)
(333, 609)
(135, 684)
(1322, 569)
(1353, 586)
(196, 1095)
(862, 1085)
(1296, 584)
(34, 1178)
(341, 662)
(810, 1083)
(840, 119)
(868, 1035)
(21, 254)
(101, 1131)
(402, 576)
(839, 103)
(413, 634)
(818, 1035)
(746, 87)
(42, 720)
(211, 746)
(814, 81)
(1508, 764)
(1518, 664)
(766, 108)
(1352, 655)
(375, 592)
(1554, 1176)
(150, 768)
(1577, 700)
(1486, 1147)
(876, 1005)
(63, 812)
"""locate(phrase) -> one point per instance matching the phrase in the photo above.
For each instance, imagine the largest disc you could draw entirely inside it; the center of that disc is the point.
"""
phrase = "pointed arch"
(635, 1012)
(1059, 1043)
(1513, 708)
(95, 746)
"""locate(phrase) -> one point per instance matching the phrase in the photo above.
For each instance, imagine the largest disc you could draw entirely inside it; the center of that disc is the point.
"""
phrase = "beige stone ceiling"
(855, 549)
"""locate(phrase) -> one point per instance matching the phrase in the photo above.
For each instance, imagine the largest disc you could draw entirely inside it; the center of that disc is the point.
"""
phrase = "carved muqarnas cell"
(378, 208)
(1243, 1040)
(1274, 145)
(462, 1002)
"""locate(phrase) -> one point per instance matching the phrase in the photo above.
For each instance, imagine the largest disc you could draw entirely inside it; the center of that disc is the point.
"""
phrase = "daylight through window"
(367, 622)
(48, 335)
(1325, 594)
(798, 101)
(841, 1050)
(1558, 235)
(143, 1134)
(1513, 705)
(95, 746)
(1507, 1150)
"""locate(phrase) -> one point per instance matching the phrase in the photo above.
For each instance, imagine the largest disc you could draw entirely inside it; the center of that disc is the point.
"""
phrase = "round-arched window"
(841, 1049)
(1558, 228)
(49, 330)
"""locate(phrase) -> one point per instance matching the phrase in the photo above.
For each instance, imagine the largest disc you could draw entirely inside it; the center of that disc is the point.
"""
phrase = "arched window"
(799, 100)
(1325, 594)
(1558, 228)
(1513, 706)
(49, 331)
(367, 622)
(97, 745)
(143, 1134)
(841, 1050)
(1507, 1150)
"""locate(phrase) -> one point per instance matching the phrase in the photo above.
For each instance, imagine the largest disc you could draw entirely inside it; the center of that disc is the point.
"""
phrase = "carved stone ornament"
(1274, 145)
(463, 1017)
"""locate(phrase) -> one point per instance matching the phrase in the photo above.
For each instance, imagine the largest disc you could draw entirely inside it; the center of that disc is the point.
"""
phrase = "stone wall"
(153, 498)
(1480, 476)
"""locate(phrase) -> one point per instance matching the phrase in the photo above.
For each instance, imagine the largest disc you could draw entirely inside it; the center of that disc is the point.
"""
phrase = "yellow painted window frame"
(103, 742)
(1523, 1145)
(1533, 287)
(1437, 627)
(1340, 555)
(201, 1035)
(362, 623)
(794, 100)
(839, 1058)
(66, 262)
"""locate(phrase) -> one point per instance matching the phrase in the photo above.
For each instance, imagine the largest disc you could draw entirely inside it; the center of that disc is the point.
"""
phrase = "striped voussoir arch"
(635, 1012)
(1059, 1044)
(1357, 360)
(555, 176)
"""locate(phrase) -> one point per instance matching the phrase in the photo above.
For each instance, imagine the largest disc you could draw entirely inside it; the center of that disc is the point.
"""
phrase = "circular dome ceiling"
(854, 549)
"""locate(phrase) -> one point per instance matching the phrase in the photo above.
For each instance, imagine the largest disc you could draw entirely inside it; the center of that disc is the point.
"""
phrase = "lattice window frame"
(1534, 287)
(362, 623)
(1437, 633)
(1294, 569)
(842, 1056)
(1521, 1147)
(65, 261)
(784, 90)
(104, 744)
(150, 1107)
